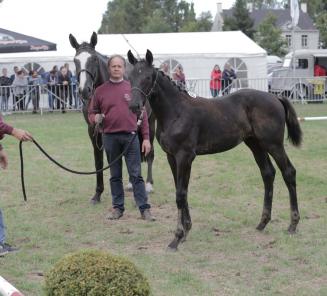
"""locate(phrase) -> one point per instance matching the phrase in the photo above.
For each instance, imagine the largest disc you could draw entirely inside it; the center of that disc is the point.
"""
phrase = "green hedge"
(95, 273)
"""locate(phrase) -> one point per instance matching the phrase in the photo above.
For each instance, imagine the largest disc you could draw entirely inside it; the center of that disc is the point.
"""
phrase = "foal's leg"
(268, 175)
(98, 161)
(183, 164)
(289, 176)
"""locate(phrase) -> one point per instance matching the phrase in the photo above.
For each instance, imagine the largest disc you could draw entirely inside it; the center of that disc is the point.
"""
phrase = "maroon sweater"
(111, 99)
(4, 129)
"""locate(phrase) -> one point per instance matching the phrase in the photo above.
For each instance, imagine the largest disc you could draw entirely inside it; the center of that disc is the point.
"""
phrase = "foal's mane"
(173, 83)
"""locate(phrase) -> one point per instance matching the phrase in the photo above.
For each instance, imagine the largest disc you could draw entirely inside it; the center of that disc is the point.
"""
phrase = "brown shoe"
(115, 214)
(146, 215)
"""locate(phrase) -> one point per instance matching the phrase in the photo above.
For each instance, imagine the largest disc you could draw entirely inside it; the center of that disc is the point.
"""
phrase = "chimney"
(219, 7)
(304, 7)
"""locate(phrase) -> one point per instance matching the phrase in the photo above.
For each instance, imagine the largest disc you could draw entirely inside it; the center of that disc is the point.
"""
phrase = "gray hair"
(116, 56)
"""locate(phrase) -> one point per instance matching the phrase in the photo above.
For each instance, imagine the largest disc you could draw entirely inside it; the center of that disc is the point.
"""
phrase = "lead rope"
(139, 122)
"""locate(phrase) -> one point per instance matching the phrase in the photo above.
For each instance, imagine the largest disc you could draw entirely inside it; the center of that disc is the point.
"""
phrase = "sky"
(54, 20)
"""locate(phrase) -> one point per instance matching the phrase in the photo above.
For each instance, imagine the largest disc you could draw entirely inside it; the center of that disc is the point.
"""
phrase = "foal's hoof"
(95, 200)
(291, 229)
(171, 249)
(261, 226)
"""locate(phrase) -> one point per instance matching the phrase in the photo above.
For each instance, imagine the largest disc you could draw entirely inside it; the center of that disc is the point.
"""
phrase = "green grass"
(224, 254)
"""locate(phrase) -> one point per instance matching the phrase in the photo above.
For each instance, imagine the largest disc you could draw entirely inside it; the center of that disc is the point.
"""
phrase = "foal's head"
(143, 79)
(87, 64)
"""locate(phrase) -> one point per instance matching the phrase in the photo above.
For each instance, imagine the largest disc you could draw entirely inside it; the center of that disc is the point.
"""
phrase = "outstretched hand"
(21, 135)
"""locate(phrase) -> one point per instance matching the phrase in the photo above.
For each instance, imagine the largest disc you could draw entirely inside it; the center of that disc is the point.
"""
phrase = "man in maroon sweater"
(109, 105)
(21, 135)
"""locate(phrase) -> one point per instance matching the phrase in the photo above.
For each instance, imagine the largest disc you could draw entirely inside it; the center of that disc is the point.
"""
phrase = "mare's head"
(143, 80)
(87, 64)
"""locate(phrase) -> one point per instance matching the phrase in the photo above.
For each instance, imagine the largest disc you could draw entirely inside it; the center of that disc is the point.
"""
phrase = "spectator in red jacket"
(215, 81)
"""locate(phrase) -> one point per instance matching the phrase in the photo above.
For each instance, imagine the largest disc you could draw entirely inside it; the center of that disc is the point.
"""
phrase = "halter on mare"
(92, 79)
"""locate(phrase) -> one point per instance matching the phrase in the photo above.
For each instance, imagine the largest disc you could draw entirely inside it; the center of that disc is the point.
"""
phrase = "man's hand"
(98, 118)
(146, 147)
(21, 135)
(3, 159)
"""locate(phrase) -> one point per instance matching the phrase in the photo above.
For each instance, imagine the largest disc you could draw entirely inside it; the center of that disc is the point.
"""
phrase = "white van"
(296, 78)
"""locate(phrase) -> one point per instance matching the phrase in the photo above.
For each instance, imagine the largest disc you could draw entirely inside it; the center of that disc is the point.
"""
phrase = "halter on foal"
(187, 127)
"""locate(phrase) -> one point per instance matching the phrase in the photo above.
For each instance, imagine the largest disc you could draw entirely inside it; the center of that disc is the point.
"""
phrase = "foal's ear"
(131, 58)
(94, 39)
(73, 41)
(149, 57)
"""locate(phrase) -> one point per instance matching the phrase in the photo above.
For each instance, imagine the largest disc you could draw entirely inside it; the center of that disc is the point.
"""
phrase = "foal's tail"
(292, 123)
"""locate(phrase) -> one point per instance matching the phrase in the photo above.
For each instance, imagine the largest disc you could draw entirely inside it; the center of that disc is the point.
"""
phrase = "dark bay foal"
(187, 127)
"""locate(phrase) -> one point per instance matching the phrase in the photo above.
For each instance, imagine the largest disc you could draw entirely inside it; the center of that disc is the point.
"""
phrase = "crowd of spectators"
(23, 90)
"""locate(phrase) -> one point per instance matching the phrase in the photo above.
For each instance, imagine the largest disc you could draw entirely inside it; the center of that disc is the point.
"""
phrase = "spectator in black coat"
(227, 78)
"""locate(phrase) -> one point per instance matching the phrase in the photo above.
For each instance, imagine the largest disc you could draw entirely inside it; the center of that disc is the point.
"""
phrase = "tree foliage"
(240, 20)
(270, 38)
(265, 4)
(321, 23)
(153, 16)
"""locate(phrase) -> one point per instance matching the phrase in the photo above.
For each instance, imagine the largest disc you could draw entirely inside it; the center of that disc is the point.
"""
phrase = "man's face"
(116, 68)
(4, 72)
(64, 71)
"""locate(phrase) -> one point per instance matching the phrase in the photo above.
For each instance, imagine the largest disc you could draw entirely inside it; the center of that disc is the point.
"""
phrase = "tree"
(265, 4)
(153, 16)
(269, 37)
(321, 24)
(240, 20)
(201, 24)
(156, 23)
(126, 16)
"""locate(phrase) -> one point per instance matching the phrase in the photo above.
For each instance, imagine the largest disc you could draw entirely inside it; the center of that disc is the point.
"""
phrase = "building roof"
(283, 17)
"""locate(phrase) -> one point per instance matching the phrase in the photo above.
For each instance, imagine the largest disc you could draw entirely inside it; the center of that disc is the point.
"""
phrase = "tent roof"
(12, 42)
(228, 44)
(205, 44)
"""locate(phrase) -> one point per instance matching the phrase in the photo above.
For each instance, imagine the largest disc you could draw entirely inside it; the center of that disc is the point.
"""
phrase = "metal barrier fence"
(302, 90)
(40, 98)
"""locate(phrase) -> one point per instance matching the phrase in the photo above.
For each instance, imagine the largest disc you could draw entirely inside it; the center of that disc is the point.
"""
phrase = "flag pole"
(295, 14)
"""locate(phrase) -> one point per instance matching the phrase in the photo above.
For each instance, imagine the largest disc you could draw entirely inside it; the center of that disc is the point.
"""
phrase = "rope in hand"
(64, 167)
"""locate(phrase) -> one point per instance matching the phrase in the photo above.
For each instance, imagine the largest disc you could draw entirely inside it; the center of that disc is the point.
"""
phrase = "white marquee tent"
(196, 52)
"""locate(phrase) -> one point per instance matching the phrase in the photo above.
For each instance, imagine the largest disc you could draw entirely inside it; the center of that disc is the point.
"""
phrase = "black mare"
(187, 127)
(92, 71)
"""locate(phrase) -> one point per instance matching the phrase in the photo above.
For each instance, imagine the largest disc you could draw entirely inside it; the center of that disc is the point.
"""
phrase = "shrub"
(95, 273)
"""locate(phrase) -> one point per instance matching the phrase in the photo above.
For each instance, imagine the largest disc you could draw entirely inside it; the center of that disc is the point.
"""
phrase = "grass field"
(224, 254)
